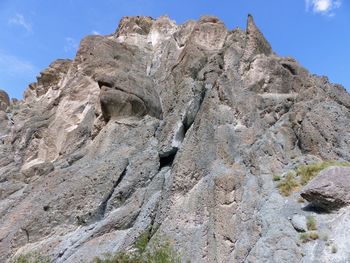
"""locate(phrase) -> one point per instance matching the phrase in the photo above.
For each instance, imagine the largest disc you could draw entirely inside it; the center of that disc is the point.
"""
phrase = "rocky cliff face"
(177, 128)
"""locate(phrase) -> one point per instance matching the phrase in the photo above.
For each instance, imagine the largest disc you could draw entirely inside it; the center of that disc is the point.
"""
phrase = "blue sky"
(36, 32)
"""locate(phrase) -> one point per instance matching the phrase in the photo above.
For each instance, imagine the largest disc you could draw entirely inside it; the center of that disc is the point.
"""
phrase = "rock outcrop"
(330, 189)
(4, 100)
(174, 128)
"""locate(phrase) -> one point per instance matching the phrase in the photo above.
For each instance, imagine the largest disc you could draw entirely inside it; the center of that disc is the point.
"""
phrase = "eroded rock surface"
(177, 128)
(330, 189)
(4, 100)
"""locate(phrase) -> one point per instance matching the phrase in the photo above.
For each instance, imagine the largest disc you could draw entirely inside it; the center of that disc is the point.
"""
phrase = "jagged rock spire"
(256, 42)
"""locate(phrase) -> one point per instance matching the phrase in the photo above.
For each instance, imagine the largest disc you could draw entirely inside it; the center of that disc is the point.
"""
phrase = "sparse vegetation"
(31, 258)
(309, 236)
(309, 171)
(311, 223)
(302, 175)
(313, 235)
(144, 252)
(276, 178)
(288, 184)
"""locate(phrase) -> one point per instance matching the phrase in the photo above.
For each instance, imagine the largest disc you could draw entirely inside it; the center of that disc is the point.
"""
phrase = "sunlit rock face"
(177, 128)
(4, 100)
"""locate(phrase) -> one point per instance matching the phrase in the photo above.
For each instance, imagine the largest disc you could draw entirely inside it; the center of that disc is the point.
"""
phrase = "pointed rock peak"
(250, 20)
(256, 42)
(251, 26)
(136, 24)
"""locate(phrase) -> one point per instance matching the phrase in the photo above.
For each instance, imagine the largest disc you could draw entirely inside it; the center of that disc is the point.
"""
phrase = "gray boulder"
(299, 223)
(330, 189)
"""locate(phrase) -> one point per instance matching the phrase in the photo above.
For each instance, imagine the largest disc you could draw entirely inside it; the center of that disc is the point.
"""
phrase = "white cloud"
(71, 44)
(324, 7)
(13, 66)
(94, 32)
(19, 20)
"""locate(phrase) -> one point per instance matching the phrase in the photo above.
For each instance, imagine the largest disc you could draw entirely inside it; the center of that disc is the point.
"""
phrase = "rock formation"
(177, 128)
(4, 100)
(330, 189)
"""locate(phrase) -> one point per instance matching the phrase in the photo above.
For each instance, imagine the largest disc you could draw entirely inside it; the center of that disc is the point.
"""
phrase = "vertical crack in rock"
(100, 212)
(102, 209)
(188, 120)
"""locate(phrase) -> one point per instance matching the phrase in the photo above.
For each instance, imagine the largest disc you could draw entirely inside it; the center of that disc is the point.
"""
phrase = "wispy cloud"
(71, 44)
(94, 32)
(11, 65)
(324, 7)
(19, 20)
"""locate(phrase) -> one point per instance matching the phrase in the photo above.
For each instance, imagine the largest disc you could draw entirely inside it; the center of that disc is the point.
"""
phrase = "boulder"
(330, 189)
(299, 223)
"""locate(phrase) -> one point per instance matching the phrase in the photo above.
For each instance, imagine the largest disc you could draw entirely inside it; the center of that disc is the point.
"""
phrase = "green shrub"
(288, 184)
(34, 257)
(155, 252)
(276, 178)
(311, 223)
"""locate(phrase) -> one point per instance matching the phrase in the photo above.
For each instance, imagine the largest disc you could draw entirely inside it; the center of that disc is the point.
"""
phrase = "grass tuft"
(306, 237)
(311, 223)
(288, 185)
(299, 177)
(145, 251)
(309, 171)
(34, 257)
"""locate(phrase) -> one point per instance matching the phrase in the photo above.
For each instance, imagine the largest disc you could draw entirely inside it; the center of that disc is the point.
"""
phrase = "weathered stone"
(299, 223)
(177, 128)
(4, 100)
(48, 79)
(330, 189)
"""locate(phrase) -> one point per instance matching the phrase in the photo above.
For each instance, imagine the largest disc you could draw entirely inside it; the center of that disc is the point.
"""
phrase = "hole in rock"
(167, 160)
(104, 83)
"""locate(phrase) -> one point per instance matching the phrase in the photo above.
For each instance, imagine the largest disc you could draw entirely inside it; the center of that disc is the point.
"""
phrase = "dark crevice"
(100, 212)
(104, 83)
(187, 122)
(289, 68)
(316, 209)
(102, 209)
(168, 159)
